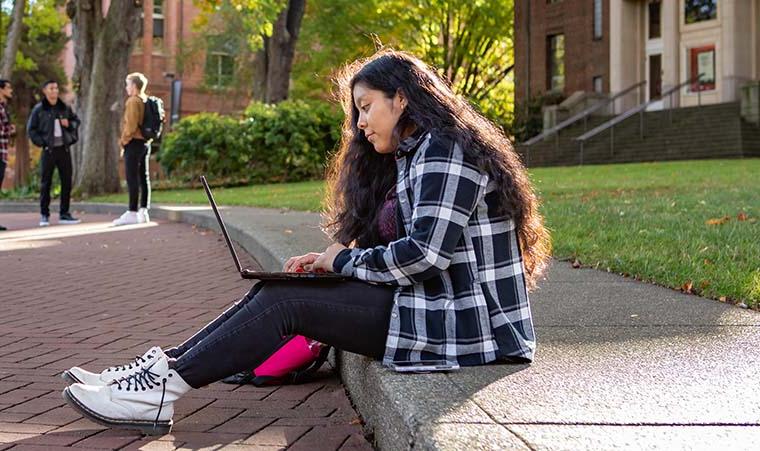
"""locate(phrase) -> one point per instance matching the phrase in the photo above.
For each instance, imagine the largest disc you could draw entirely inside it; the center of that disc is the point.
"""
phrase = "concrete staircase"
(710, 131)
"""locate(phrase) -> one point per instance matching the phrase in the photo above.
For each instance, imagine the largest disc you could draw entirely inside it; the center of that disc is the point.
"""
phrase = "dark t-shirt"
(386, 218)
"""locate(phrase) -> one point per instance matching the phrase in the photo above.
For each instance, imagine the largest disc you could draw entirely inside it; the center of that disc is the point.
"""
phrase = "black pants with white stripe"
(136, 156)
(352, 316)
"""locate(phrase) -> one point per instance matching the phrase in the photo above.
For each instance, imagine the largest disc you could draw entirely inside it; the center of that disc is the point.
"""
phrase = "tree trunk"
(11, 43)
(259, 85)
(22, 166)
(102, 45)
(280, 49)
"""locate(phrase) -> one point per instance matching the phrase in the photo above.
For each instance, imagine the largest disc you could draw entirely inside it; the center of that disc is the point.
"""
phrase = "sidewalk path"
(96, 296)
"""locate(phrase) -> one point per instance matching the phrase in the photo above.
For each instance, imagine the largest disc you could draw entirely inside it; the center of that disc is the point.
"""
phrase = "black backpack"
(153, 120)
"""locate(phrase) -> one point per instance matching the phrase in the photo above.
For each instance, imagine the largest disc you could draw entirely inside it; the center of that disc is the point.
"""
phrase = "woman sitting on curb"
(444, 241)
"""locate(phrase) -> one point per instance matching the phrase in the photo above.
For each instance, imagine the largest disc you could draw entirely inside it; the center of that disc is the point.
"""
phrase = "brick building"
(608, 45)
(641, 56)
(561, 46)
(167, 25)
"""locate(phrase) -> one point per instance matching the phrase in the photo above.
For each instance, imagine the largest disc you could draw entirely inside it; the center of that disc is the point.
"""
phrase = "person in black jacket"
(53, 127)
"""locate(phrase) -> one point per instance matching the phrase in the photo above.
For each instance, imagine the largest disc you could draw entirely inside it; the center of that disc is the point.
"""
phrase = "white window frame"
(217, 76)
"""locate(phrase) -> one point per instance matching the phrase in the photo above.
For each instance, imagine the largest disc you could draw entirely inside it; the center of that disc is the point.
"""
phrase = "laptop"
(247, 273)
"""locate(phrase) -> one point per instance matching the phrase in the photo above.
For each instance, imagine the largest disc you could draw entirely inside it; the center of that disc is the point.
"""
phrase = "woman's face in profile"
(378, 116)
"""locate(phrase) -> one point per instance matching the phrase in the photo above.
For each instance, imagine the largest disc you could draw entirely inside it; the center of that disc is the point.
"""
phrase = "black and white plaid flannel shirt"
(461, 293)
(5, 131)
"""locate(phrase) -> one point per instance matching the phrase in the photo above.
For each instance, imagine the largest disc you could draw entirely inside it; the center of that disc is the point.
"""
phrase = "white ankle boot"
(143, 400)
(78, 375)
(129, 217)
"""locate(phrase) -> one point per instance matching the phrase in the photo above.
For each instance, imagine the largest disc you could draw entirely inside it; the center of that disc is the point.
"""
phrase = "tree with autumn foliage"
(469, 41)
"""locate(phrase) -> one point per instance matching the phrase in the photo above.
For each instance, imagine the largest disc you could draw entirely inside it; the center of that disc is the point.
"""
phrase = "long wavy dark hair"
(358, 177)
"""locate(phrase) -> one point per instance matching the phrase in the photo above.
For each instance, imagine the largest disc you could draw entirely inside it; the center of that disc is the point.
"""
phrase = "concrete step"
(694, 132)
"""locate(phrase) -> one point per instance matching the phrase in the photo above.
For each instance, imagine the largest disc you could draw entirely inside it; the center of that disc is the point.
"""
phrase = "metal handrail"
(637, 109)
(582, 115)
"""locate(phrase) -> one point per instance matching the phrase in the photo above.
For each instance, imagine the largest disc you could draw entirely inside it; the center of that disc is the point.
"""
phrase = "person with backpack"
(139, 128)
(53, 126)
(436, 226)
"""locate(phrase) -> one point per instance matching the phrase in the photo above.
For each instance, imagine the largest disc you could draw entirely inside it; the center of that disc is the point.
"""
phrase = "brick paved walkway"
(95, 296)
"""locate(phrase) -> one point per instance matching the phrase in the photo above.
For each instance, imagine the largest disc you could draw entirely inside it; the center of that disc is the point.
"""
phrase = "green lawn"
(644, 220)
(650, 221)
(296, 196)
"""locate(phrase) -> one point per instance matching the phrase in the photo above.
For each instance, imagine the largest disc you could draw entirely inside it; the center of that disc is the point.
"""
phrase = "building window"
(158, 25)
(702, 61)
(220, 68)
(655, 27)
(597, 81)
(700, 10)
(598, 18)
(555, 53)
(220, 63)
(548, 2)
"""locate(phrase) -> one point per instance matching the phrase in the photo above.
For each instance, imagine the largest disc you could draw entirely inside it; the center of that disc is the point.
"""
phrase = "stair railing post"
(699, 92)
(641, 123)
(556, 142)
(612, 140)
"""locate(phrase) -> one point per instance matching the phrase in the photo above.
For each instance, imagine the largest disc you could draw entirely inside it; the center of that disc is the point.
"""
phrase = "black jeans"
(56, 157)
(352, 316)
(136, 156)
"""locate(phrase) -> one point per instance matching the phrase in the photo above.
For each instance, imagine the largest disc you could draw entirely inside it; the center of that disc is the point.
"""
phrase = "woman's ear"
(400, 99)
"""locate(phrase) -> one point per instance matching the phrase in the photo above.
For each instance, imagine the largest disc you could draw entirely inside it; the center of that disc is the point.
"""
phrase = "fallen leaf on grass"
(722, 299)
(704, 284)
(742, 216)
(576, 263)
(686, 288)
(718, 221)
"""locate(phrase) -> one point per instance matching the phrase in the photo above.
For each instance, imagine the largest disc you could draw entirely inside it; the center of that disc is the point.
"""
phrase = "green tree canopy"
(469, 41)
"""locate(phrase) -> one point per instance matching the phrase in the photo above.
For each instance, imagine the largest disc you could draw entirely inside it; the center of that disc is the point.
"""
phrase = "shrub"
(204, 143)
(289, 141)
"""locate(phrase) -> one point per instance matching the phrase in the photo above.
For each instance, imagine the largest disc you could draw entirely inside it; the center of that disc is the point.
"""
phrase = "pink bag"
(297, 359)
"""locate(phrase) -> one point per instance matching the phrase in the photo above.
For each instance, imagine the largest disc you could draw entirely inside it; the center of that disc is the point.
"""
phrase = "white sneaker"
(44, 221)
(129, 217)
(143, 216)
(142, 401)
(78, 375)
